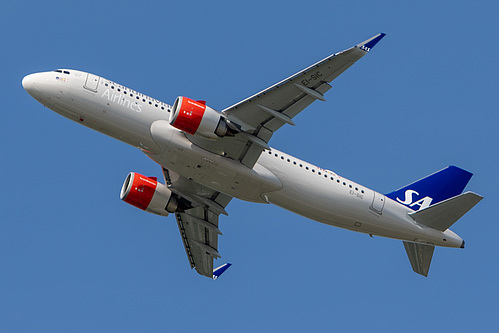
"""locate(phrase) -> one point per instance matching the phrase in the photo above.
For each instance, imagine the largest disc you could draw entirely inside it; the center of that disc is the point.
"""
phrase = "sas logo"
(365, 48)
(409, 200)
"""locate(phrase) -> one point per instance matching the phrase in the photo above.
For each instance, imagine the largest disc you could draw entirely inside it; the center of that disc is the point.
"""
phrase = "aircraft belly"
(329, 209)
(214, 171)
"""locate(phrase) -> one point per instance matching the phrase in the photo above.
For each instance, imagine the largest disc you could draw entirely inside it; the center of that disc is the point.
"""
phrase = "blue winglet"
(219, 270)
(367, 45)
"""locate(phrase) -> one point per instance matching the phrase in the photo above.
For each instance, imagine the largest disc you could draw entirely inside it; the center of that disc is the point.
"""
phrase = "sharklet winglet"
(367, 45)
(220, 269)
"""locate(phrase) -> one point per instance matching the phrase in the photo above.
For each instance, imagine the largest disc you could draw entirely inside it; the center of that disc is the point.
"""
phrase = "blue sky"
(75, 258)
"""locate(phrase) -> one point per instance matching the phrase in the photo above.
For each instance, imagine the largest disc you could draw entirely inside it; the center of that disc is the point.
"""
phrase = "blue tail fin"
(441, 185)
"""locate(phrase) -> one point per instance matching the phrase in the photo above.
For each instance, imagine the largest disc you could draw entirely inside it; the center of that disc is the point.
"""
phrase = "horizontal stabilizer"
(445, 213)
(420, 257)
(219, 270)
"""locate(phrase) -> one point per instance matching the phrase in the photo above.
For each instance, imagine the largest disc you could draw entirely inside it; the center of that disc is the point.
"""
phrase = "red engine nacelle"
(196, 118)
(147, 194)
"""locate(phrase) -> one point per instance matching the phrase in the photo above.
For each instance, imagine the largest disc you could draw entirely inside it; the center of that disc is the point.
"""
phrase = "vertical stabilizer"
(437, 187)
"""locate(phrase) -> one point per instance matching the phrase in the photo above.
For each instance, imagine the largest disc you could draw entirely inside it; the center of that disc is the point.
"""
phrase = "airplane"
(209, 157)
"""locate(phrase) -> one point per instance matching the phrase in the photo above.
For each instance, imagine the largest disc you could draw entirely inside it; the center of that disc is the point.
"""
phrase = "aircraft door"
(92, 82)
(378, 202)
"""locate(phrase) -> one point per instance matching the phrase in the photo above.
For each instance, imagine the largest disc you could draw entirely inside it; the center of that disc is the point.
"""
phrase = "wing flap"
(200, 238)
(198, 225)
(444, 214)
(420, 256)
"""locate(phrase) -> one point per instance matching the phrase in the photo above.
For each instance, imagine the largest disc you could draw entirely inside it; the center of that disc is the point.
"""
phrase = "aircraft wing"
(265, 112)
(198, 225)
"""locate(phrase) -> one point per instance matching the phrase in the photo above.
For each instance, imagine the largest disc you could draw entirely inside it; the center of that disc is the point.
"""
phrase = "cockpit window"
(66, 72)
(58, 71)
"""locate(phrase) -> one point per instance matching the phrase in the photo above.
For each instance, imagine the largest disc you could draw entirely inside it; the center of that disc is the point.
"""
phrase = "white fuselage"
(276, 178)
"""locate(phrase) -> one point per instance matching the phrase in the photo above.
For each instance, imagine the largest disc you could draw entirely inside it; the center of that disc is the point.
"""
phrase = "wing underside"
(198, 225)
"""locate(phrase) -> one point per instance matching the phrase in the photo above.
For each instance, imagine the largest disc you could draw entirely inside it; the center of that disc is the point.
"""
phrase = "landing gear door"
(378, 202)
(92, 82)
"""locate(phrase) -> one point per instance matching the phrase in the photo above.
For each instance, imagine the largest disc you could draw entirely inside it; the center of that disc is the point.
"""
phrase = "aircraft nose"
(39, 87)
(29, 83)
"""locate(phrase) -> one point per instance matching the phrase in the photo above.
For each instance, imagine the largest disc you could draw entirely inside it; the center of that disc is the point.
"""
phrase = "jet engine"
(149, 195)
(196, 118)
